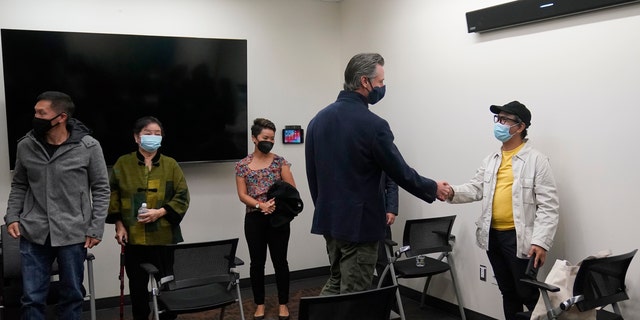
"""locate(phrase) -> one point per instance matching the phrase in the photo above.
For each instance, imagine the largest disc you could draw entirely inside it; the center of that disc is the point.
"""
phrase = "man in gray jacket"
(57, 205)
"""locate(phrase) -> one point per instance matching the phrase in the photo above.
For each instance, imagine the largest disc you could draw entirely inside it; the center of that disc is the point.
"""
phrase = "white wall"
(578, 75)
(293, 70)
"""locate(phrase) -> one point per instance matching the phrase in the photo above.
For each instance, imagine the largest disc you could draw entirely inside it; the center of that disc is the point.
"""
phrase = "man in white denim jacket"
(519, 206)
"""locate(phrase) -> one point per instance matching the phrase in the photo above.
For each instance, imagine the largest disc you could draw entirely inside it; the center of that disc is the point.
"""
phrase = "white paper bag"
(563, 275)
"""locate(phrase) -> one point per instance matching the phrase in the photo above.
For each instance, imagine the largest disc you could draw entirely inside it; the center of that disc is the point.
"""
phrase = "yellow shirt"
(502, 217)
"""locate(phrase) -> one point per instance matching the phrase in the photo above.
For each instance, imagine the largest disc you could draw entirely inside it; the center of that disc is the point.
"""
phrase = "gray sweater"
(65, 196)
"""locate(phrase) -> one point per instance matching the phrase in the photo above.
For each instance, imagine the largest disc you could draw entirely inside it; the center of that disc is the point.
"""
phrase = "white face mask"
(150, 143)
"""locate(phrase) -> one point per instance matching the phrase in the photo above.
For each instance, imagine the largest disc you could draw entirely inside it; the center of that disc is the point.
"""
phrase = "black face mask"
(265, 146)
(376, 94)
(42, 126)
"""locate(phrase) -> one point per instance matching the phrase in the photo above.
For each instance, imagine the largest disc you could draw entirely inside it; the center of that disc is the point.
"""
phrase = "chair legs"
(237, 285)
(398, 299)
(424, 291)
(390, 269)
(155, 291)
(456, 287)
(92, 290)
(453, 280)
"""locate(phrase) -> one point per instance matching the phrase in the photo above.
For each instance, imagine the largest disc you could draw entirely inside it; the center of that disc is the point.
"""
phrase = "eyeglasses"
(503, 119)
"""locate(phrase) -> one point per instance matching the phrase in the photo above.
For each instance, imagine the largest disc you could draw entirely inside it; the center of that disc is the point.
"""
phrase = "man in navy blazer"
(347, 149)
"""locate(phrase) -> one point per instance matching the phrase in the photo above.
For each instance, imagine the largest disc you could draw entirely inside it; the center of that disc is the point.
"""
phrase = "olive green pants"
(351, 266)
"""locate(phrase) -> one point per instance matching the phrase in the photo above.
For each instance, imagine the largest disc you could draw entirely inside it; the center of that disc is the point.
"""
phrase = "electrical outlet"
(483, 273)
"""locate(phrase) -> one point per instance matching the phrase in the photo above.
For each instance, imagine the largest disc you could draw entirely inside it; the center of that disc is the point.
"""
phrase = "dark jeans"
(36, 268)
(134, 255)
(260, 235)
(509, 269)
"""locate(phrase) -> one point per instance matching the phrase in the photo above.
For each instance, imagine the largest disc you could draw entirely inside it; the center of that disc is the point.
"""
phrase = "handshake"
(445, 191)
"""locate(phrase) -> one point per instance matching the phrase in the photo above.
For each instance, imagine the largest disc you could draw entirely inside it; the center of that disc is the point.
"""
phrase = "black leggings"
(260, 234)
(134, 255)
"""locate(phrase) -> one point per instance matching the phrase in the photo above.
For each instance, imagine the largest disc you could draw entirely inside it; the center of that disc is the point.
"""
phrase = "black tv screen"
(196, 87)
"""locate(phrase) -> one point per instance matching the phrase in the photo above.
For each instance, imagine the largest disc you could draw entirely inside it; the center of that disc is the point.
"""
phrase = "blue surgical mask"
(376, 94)
(501, 131)
(150, 143)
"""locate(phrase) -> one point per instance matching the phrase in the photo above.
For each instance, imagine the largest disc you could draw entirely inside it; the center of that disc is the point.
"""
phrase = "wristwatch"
(258, 205)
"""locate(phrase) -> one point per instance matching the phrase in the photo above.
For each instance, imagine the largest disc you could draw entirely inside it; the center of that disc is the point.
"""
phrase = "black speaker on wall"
(526, 11)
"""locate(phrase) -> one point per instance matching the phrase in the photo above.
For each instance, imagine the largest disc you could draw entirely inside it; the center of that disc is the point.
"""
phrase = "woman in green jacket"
(146, 176)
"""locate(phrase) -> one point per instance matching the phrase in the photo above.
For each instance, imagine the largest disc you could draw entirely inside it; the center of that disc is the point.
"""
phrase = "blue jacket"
(390, 191)
(347, 148)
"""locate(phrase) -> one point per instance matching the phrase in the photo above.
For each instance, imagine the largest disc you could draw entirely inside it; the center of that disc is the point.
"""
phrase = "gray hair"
(362, 64)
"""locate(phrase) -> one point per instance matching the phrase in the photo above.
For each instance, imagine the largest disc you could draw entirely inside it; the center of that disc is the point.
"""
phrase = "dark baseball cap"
(516, 108)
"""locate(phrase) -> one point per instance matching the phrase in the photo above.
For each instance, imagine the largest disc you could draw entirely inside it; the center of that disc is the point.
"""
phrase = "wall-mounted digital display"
(197, 87)
(292, 135)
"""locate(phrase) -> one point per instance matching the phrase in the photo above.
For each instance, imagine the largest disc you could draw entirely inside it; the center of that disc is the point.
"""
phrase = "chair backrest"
(372, 304)
(11, 267)
(428, 235)
(194, 264)
(10, 275)
(11, 259)
(601, 280)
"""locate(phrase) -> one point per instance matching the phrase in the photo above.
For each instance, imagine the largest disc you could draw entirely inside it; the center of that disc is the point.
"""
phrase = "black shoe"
(258, 317)
(283, 317)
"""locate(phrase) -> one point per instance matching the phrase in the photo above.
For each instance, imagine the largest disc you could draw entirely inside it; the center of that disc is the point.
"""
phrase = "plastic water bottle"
(143, 209)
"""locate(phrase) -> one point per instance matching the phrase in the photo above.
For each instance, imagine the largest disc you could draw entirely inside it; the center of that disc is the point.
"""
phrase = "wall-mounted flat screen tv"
(196, 87)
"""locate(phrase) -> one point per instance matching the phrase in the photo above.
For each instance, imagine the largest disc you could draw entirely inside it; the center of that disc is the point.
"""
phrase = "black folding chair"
(372, 304)
(600, 282)
(422, 237)
(11, 279)
(200, 277)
